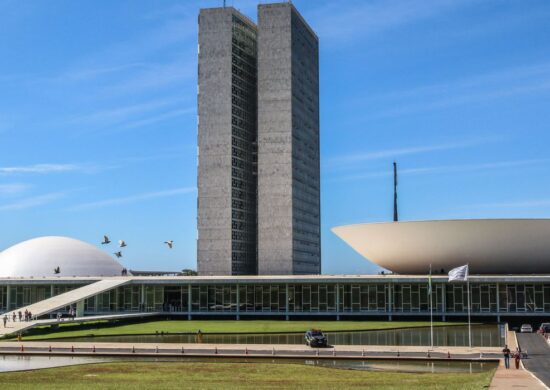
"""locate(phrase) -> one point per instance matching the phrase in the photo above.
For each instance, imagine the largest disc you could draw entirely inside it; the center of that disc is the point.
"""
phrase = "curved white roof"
(40, 256)
(490, 246)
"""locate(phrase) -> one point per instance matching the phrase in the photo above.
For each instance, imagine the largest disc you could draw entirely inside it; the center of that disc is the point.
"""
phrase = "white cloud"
(13, 188)
(448, 169)
(122, 114)
(33, 201)
(504, 83)
(515, 204)
(134, 198)
(41, 168)
(393, 153)
(360, 19)
(159, 118)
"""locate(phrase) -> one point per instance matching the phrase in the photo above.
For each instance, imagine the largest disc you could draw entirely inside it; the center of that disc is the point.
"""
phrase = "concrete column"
(142, 298)
(390, 302)
(8, 297)
(96, 302)
(238, 303)
(337, 301)
(498, 303)
(80, 308)
(287, 315)
(444, 301)
(189, 302)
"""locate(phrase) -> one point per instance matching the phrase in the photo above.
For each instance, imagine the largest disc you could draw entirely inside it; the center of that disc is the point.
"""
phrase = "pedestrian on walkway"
(506, 352)
(5, 320)
(14, 317)
(517, 358)
(20, 315)
(30, 316)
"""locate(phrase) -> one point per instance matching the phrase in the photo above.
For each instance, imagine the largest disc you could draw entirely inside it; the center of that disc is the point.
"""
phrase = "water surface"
(482, 336)
(21, 363)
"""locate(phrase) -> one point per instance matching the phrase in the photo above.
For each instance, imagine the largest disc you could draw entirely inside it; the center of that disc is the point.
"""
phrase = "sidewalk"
(235, 350)
(512, 379)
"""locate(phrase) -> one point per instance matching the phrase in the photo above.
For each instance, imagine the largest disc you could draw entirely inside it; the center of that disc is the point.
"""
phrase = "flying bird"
(121, 243)
(56, 270)
(106, 240)
(118, 254)
(170, 243)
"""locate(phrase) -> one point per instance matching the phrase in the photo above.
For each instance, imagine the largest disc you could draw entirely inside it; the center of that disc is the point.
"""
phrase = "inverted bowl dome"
(489, 246)
(41, 256)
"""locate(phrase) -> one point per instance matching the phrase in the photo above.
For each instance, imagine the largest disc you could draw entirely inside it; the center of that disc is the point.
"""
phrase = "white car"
(526, 328)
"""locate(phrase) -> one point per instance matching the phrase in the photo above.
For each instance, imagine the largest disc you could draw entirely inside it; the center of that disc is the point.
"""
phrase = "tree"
(189, 272)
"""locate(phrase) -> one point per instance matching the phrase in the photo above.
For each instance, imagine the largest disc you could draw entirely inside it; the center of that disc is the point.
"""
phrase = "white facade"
(489, 246)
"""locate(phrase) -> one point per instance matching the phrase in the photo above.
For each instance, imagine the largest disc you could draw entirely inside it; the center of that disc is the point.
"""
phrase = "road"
(539, 355)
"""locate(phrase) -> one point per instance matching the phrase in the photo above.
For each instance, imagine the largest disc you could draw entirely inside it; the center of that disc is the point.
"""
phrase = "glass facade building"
(336, 296)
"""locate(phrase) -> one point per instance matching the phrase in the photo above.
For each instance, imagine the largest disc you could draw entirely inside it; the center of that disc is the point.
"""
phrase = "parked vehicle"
(316, 338)
(526, 328)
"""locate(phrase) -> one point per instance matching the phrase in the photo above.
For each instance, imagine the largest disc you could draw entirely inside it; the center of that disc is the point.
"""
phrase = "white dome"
(41, 256)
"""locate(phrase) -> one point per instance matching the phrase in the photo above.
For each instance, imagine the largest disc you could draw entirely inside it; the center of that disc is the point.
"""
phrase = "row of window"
(451, 297)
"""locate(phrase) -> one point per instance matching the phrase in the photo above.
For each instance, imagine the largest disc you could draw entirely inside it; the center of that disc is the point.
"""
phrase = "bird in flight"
(121, 243)
(106, 240)
(170, 243)
(56, 270)
(118, 254)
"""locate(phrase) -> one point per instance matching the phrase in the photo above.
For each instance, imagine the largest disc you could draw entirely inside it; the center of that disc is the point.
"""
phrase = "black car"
(316, 338)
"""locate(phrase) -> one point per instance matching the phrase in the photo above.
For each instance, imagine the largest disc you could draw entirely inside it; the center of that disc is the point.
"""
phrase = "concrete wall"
(227, 143)
(274, 140)
(288, 143)
(214, 140)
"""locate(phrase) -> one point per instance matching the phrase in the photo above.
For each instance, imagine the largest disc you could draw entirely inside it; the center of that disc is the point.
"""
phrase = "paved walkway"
(515, 379)
(280, 350)
(539, 355)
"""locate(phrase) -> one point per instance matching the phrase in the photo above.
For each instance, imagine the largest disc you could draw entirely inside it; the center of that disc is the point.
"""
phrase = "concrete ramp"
(70, 297)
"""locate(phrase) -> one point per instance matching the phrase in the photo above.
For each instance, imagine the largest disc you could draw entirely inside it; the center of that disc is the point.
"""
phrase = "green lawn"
(215, 326)
(176, 375)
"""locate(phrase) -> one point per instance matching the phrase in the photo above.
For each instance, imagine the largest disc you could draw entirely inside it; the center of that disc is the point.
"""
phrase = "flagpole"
(431, 309)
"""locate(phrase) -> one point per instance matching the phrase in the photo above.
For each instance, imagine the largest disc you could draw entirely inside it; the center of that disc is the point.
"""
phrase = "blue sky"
(98, 117)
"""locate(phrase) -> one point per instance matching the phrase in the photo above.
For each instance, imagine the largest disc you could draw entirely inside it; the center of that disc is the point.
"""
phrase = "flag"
(459, 273)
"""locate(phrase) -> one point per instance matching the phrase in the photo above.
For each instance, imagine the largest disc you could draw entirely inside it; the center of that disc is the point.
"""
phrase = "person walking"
(517, 358)
(506, 352)
(20, 315)
(5, 320)
(14, 316)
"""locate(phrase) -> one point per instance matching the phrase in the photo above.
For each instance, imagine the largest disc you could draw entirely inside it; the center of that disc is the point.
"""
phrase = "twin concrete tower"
(258, 136)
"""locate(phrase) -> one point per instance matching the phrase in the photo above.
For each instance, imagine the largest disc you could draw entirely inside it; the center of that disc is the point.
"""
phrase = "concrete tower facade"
(289, 240)
(258, 172)
(226, 216)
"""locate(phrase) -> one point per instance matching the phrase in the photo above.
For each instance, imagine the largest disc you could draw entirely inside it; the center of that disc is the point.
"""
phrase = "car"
(544, 327)
(316, 338)
(526, 328)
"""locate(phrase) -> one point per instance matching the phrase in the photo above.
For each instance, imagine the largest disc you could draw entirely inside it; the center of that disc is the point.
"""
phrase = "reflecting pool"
(482, 336)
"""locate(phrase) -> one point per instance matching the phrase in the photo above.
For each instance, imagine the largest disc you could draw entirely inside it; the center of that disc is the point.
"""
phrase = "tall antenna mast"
(395, 216)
